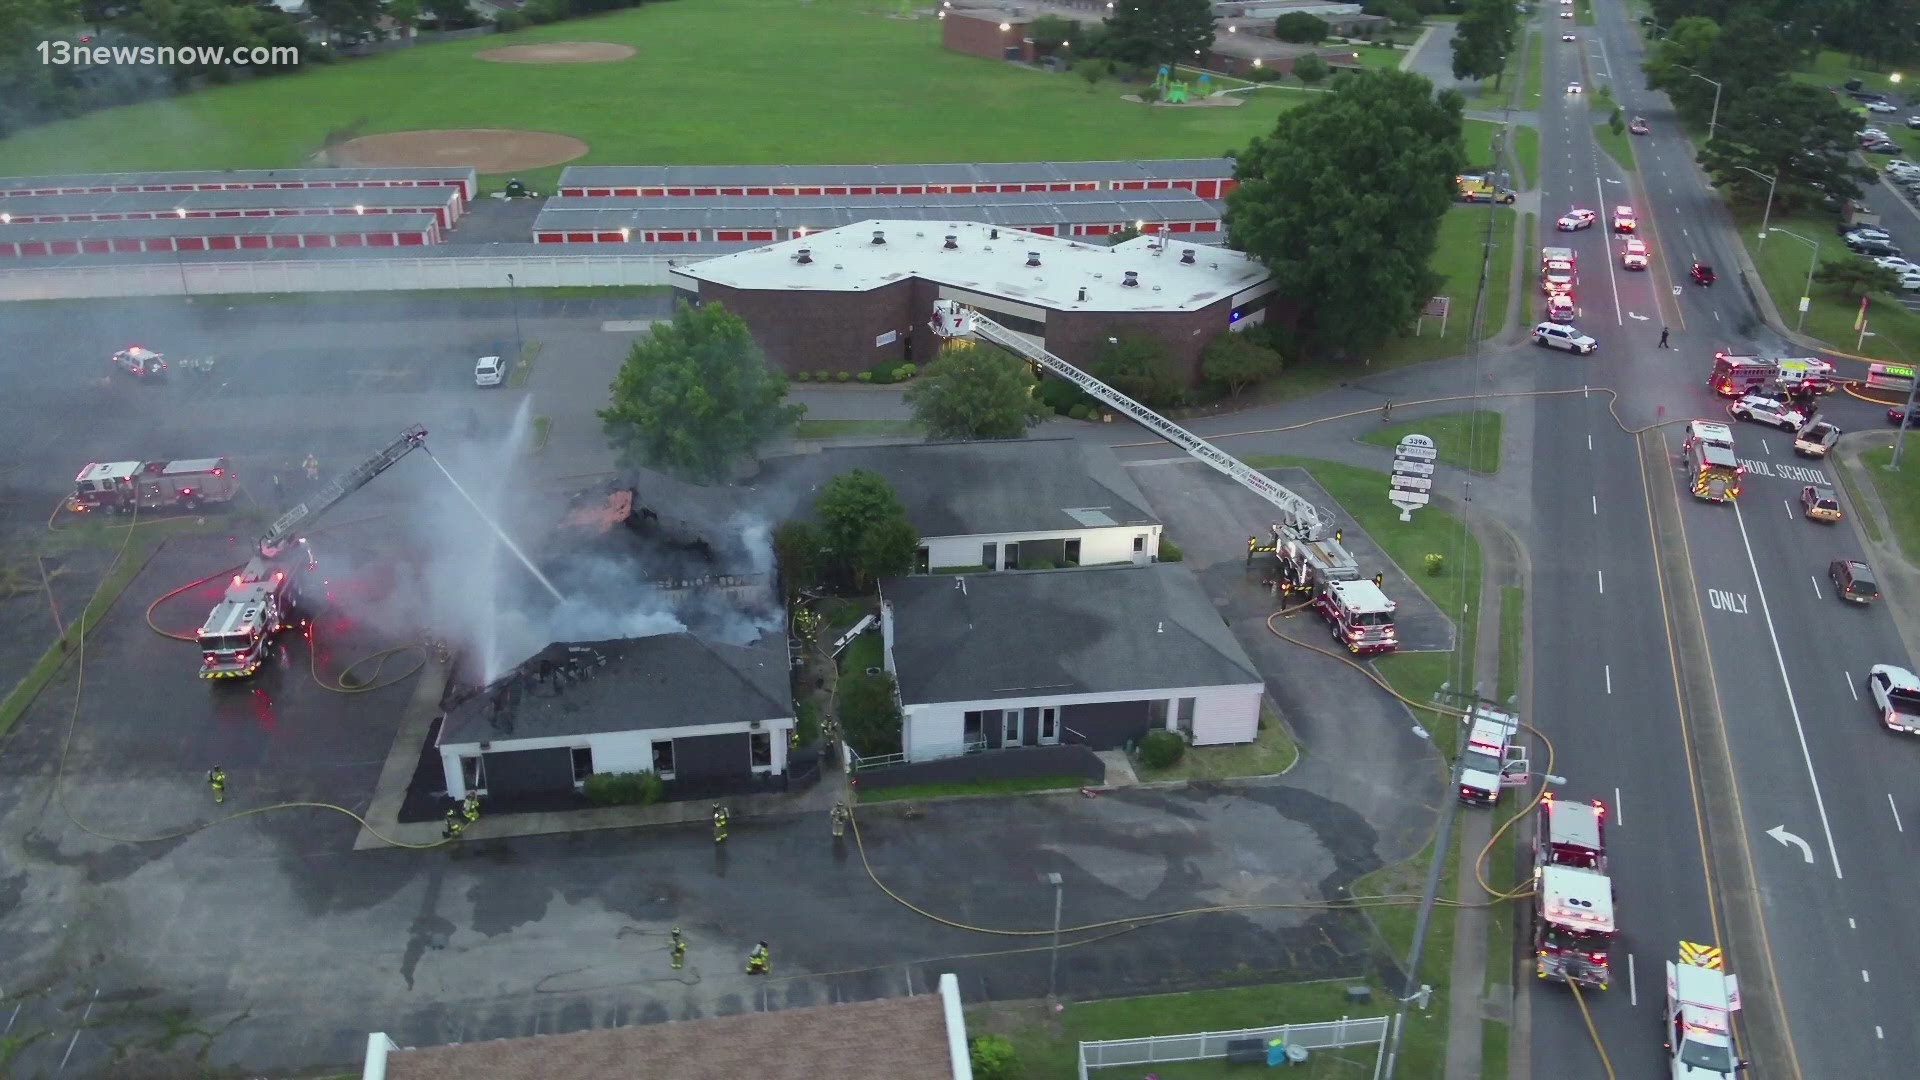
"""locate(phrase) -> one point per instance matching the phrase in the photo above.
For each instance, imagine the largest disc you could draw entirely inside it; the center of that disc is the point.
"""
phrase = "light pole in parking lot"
(519, 342)
(1767, 214)
(1808, 291)
(1714, 120)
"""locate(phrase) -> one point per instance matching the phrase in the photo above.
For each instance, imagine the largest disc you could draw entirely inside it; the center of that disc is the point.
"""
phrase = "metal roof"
(1070, 276)
(1007, 172)
(687, 254)
(1583, 898)
(229, 176)
(122, 202)
(157, 227)
(832, 212)
(1574, 823)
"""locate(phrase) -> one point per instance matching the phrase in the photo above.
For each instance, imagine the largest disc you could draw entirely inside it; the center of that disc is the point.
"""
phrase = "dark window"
(1013, 556)
(1140, 542)
(1184, 717)
(760, 746)
(1157, 713)
(663, 758)
(582, 763)
(473, 773)
(989, 555)
(1070, 553)
(920, 561)
(1017, 324)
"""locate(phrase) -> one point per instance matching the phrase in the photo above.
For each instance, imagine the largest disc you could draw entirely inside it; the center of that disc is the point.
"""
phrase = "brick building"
(852, 298)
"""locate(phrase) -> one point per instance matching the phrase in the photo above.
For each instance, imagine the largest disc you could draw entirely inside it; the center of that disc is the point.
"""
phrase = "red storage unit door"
(628, 192)
(154, 243)
(380, 239)
(866, 191)
(223, 243)
(413, 239)
(128, 243)
(729, 236)
(96, 247)
(191, 243)
(64, 247)
(1181, 226)
(707, 191)
(254, 242)
(579, 238)
(33, 247)
(350, 240)
(1043, 230)
(611, 238)
(599, 192)
(1207, 226)
(760, 234)
(549, 238)
(284, 240)
(1227, 186)
(1207, 189)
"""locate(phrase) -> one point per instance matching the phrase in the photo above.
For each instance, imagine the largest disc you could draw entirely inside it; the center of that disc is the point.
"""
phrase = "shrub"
(1263, 75)
(864, 376)
(1149, 94)
(993, 1058)
(845, 376)
(802, 376)
(624, 789)
(1436, 565)
(1162, 749)
(906, 371)
(1080, 412)
(1170, 551)
(823, 376)
(509, 21)
(1040, 562)
(1061, 396)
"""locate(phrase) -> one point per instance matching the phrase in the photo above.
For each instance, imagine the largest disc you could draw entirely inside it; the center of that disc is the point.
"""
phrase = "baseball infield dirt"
(557, 52)
(488, 150)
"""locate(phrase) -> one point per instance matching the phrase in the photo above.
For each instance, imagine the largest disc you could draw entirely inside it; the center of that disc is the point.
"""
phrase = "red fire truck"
(1360, 616)
(1573, 917)
(121, 486)
(1737, 376)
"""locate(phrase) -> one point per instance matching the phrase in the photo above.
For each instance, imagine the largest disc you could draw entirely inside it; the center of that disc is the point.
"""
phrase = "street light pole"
(1053, 963)
(519, 341)
(1714, 120)
(1767, 214)
(1811, 265)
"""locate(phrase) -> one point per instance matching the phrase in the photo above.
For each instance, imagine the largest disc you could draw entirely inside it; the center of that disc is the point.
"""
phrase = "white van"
(488, 371)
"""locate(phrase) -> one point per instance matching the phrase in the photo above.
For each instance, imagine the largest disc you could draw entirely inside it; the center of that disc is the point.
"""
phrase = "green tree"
(1403, 15)
(1483, 40)
(798, 552)
(1093, 70)
(1311, 68)
(1361, 247)
(404, 12)
(1138, 366)
(866, 530)
(450, 14)
(1158, 31)
(695, 396)
(994, 1058)
(869, 713)
(1300, 28)
(1239, 360)
(1856, 278)
(348, 21)
(975, 392)
(1617, 121)
(1796, 133)
(1051, 32)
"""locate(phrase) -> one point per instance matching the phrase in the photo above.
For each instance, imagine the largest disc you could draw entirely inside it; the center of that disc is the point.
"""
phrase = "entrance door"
(1049, 726)
(1010, 727)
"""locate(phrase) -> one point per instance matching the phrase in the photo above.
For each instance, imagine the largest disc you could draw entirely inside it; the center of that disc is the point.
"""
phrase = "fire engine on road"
(1701, 1001)
(1713, 472)
(1308, 548)
(140, 363)
(1737, 376)
(121, 487)
(265, 597)
(1573, 926)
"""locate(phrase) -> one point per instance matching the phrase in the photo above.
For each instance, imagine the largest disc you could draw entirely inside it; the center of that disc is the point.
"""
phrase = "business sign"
(1412, 483)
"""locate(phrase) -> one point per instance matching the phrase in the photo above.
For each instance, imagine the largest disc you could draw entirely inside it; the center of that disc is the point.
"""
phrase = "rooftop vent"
(1187, 256)
(1083, 295)
(1033, 258)
(952, 244)
(803, 256)
(1132, 280)
(993, 234)
(879, 237)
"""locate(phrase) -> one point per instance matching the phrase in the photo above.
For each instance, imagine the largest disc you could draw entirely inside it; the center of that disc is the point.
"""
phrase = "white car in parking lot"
(1897, 264)
(1880, 107)
(1896, 693)
(487, 371)
(1549, 335)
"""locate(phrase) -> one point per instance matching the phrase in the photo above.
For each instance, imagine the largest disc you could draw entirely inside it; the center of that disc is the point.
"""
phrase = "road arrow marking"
(1636, 315)
(1610, 181)
(1780, 833)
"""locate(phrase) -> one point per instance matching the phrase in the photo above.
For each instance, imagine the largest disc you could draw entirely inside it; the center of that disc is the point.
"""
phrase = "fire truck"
(1573, 924)
(1306, 544)
(1559, 270)
(265, 598)
(1701, 1001)
(121, 487)
(1713, 472)
(1737, 376)
(1492, 761)
(140, 363)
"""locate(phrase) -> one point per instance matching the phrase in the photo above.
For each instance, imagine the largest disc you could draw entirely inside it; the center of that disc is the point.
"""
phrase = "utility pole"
(1053, 964)
(519, 341)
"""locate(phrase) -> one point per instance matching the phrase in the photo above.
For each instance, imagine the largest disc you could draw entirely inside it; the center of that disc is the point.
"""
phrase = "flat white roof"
(991, 260)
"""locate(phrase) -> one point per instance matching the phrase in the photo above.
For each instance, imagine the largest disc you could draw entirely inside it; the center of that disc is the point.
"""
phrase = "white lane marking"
(1864, 977)
(1767, 447)
(1609, 669)
(1596, 503)
(1877, 1033)
(1589, 442)
(1601, 192)
(1633, 984)
(1850, 924)
(84, 1017)
(1850, 689)
(1793, 707)
(1601, 577)
(1716, 316)
(1618, 818)
(1816, 587)
(1896, 813)
(1789, 507)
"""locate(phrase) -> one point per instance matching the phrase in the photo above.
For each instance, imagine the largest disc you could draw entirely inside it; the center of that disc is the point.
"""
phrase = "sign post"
(1412, 483)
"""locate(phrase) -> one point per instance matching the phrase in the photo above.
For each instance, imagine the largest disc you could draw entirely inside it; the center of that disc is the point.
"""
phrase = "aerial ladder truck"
(264, 598)
(1313, 561)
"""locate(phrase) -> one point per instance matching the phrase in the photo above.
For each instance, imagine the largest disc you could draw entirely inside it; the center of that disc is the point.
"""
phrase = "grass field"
(1899, 492)
(1536, 74)
(1271, 752)
(1619, 147)
(1526, 152)
(1463, 234)
(1783, 266)
(1834, 68)
(716, 82)
(1452, 434)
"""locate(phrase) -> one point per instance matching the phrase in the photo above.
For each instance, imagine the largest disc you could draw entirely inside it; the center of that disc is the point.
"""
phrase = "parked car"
(1896, 264)
(1820, 504)
(1882, 148)
(1567, 37)
(1880, 107)
(487, 371)
(1853, 581)
(1550, 335)
(1899, 413)
(1866, 232)
(1871, 248)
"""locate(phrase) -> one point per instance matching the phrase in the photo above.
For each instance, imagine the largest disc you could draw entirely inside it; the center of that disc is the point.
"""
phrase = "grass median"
(1464, 440)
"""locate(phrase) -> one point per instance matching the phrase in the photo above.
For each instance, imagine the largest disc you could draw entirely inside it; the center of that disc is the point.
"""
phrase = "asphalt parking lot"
(267, 943)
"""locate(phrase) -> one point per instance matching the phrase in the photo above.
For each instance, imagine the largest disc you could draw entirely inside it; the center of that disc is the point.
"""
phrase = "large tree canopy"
(975, 392)
(1342, 202)
(1484, 39)
(695, 395)
(1158, 31)
(1797, 133)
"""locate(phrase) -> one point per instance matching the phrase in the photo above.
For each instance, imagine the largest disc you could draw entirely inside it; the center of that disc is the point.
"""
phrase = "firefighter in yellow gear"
(841, 815)
(758, 960)
(470, 809)
(679, 950)
(719, 824)
(455, 825)
(1379, 580)
(217, 780)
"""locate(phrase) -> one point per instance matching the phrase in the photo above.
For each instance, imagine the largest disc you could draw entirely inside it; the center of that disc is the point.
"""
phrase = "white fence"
(394, 272)
(1158, 1049)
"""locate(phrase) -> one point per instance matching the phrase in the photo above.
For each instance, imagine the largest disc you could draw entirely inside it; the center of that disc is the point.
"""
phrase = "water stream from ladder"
(497, 530)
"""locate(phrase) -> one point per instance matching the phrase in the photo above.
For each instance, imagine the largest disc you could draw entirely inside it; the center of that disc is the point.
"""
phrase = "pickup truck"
(1816, 440)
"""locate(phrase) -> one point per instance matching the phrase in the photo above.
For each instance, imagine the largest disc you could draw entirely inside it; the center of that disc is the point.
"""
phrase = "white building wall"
(1097, 546)
(1222, 714)
(614, 751)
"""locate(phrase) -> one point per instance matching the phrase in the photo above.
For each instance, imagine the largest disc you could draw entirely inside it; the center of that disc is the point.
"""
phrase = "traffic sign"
(1412, 483)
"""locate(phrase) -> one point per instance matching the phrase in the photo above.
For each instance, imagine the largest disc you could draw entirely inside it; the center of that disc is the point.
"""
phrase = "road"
(1805, 751)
